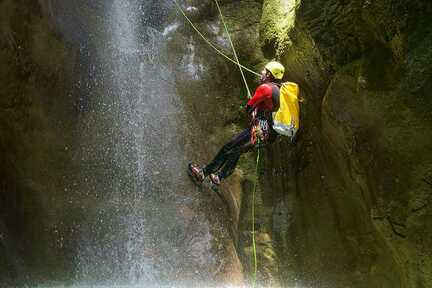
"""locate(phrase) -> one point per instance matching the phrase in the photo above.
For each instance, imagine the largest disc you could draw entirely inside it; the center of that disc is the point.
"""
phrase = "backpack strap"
(275, 96)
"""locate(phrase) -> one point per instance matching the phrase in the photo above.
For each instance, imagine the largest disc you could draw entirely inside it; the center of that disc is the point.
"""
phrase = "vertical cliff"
(34, 79)
(348, 204)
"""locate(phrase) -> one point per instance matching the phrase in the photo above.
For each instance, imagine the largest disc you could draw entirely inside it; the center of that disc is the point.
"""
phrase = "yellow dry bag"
(286, 120)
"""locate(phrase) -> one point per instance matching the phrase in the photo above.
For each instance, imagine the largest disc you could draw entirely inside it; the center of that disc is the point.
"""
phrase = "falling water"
(141, 223)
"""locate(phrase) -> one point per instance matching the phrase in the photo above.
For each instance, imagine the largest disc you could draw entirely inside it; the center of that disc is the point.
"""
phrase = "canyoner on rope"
(274, 110)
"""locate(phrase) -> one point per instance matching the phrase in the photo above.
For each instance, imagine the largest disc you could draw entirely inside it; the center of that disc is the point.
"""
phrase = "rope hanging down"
(241, 67)
(254, 250)
(219, 51)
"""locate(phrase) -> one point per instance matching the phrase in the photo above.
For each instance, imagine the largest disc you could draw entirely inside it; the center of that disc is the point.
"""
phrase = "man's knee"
(226, 149)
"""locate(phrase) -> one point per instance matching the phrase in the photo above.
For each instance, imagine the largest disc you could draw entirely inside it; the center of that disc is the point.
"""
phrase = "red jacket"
(262, 99)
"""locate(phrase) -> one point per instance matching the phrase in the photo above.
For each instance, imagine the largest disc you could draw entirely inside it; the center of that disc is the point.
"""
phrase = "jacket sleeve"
(262, 92)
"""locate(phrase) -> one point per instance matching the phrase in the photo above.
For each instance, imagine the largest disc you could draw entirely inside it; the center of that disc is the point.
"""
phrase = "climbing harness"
(260, 131)
(219, 51)
(241, 67)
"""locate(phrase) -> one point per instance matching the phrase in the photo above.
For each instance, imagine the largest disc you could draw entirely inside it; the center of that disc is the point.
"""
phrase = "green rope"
(233, 48)
(210, 43)
(241, 67)
(255, 268)
(255, 261)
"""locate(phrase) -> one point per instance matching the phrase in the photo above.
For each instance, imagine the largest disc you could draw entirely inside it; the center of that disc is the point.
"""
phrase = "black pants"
(226, 159)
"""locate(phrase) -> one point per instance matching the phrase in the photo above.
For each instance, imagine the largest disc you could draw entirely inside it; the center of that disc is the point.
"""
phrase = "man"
(260, 106)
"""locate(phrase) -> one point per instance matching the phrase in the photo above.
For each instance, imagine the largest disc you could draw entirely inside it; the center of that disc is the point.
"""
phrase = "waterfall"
(132, 167)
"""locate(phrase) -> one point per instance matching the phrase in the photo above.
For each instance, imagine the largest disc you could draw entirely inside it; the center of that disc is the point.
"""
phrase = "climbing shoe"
(196, 172)
(215, 179)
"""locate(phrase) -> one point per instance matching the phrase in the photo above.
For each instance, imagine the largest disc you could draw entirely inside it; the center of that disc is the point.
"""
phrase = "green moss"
(278, 19)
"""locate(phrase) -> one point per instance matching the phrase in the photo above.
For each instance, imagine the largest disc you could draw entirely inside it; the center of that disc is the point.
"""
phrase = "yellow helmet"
(276, 69)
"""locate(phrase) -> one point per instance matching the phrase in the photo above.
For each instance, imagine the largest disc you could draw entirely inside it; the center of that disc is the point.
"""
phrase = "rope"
(233, 48)
(210, 43)
(255, 262)
(254, 250)
(241, 67)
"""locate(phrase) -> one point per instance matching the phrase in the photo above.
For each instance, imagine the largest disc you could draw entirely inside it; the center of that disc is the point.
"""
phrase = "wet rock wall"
(347, 204)
(34, 75)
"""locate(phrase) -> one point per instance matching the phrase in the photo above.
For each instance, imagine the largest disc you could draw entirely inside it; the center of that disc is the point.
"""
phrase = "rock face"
(348, 204)
(57, 166)
(34, 70)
